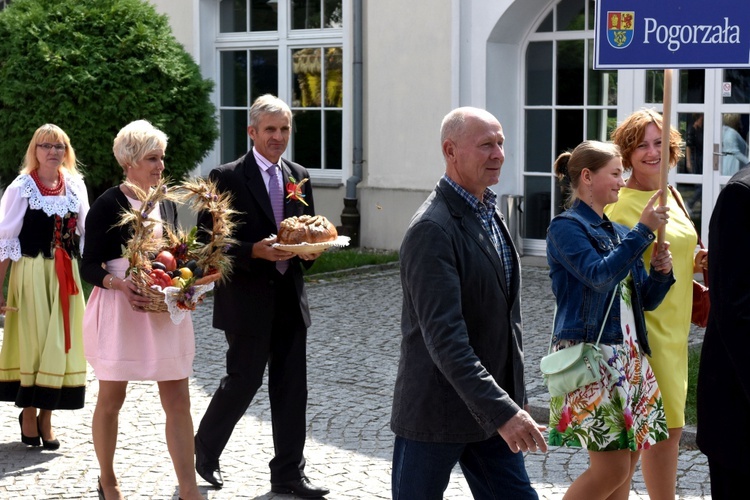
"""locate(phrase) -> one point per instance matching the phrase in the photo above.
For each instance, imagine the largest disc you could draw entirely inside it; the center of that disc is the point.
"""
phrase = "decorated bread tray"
(306, 248)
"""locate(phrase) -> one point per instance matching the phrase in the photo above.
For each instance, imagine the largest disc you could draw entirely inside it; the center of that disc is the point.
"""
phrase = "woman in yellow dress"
(639, 139)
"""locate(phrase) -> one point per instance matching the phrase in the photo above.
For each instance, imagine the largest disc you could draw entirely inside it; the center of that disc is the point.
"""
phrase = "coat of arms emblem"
(620, 28)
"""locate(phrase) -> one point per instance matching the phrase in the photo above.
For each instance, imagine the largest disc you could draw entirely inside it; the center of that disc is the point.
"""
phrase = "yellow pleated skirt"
(35, 370)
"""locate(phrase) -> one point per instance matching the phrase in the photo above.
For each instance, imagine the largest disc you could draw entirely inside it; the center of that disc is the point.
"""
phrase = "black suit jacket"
(724, 378)
(248, 296)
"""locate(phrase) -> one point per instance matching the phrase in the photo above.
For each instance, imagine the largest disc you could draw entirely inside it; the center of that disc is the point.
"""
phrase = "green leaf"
(91, 67)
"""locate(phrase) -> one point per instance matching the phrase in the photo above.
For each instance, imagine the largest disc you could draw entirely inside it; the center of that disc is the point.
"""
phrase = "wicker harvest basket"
(209, 259)
(185, 297)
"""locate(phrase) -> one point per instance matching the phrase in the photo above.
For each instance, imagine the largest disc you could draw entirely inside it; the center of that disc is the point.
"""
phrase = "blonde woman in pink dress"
(122, 342)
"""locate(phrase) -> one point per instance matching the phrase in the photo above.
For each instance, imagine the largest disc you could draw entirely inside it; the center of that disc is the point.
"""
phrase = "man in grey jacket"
(460, 390)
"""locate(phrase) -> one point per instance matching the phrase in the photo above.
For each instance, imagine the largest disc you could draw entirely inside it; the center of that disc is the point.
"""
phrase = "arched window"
(565, 102)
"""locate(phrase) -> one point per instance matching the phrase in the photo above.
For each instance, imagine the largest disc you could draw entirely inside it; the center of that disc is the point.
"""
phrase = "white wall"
(407, 70)
(183, 19)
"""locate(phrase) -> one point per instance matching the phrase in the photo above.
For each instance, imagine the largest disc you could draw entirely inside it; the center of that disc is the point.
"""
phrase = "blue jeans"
(421, 470)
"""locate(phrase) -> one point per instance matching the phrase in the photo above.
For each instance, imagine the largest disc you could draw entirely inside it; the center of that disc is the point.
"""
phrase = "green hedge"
(91, 67)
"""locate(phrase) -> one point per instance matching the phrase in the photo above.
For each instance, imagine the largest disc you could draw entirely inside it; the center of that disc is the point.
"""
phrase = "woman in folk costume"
(42, 215)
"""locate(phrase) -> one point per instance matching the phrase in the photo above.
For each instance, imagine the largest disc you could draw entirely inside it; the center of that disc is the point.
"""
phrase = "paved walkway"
(353, 353)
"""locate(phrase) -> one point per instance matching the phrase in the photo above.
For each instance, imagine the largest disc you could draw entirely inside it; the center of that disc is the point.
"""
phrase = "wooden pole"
(665, 131)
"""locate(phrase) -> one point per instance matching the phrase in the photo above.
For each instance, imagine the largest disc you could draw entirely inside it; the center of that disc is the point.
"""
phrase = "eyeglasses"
(47, 146)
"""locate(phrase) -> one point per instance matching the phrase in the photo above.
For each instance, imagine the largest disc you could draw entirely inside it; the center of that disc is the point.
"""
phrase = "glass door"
(713, 114)
(731, 129)
(690, 174)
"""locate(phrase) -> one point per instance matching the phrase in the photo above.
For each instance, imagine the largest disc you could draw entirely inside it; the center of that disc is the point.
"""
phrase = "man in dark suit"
(724, 379)
(460, 390)
(263, 307)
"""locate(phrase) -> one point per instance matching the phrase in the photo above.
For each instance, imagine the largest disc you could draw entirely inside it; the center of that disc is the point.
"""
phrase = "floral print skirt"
(606, 415)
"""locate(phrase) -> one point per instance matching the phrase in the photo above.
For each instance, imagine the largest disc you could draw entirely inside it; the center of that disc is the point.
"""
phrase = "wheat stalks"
(202, 195)
(211, 257)
(143, 242)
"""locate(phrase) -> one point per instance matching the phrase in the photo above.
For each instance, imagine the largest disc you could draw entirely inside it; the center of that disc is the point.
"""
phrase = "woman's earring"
(591, 197)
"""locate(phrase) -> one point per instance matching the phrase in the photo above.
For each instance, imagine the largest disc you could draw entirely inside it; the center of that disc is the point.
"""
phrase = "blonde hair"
(732, 120)
(592, 155)
(135, 140)
(52, 134)
(631, 131)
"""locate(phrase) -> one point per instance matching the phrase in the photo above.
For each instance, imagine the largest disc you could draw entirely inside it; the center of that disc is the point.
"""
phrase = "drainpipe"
(350, 218)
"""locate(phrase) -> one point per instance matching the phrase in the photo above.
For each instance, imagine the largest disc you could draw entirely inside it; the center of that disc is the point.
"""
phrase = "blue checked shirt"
(485, 212)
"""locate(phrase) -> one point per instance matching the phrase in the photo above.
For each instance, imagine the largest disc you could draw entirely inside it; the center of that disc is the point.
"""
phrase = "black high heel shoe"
(99, 489)
(52, 444)
(28, 440)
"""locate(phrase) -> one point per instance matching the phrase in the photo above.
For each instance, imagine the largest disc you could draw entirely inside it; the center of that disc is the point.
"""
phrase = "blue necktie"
(277, 204)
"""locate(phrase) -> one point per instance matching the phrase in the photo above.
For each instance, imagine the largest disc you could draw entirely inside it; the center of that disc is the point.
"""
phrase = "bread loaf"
(306, 229)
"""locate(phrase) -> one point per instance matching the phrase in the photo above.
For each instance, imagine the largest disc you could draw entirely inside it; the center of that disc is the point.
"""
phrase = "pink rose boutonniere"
(294, 190)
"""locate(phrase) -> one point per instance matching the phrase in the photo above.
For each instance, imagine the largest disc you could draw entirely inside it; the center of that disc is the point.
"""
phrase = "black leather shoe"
(301, 487)
(52, 444)
(28, 440)
(207, 469)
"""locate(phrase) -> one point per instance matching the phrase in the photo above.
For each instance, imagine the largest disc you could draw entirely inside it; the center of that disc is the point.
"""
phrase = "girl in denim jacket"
(591, 258)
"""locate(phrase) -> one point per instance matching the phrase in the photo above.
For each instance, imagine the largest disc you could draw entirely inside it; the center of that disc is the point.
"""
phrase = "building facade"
(529, 62)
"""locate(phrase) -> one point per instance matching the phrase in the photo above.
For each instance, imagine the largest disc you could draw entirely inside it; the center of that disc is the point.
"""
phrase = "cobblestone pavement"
(353, 353)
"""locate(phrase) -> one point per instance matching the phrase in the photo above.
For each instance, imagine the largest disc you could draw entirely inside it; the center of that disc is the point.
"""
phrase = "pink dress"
(121, 344)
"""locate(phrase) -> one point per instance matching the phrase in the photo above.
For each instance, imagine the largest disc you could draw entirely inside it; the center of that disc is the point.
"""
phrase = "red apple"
(166, 258)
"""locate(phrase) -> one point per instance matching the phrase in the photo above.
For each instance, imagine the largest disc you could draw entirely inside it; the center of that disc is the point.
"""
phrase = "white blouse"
(23, 193)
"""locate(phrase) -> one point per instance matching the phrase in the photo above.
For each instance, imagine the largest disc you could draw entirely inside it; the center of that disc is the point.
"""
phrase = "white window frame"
(534, 246)
(285, 40)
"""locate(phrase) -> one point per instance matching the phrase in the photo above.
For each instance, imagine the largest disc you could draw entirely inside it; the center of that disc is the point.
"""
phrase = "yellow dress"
(669, 325)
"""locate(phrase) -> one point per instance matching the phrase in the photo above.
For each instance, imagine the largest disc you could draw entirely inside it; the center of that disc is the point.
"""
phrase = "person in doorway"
(723, 378)
(694, 157)
(124, 342)
(262, 308)
(694, 145)
(42, 220)
(601, 285)
(639, 138)
(460, 389)
(733, 145)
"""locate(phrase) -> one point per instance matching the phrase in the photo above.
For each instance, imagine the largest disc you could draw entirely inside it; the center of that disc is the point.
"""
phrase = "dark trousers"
(251, 346)
(726, 483)
(421, 470)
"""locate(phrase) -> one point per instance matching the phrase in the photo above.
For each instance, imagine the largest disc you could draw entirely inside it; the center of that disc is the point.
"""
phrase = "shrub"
(91, 67)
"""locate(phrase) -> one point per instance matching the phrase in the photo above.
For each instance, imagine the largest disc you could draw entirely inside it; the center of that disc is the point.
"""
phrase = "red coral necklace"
(55, 191)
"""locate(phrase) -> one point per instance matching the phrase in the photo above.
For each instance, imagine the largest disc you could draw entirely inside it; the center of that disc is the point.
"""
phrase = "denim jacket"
(588, 256)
